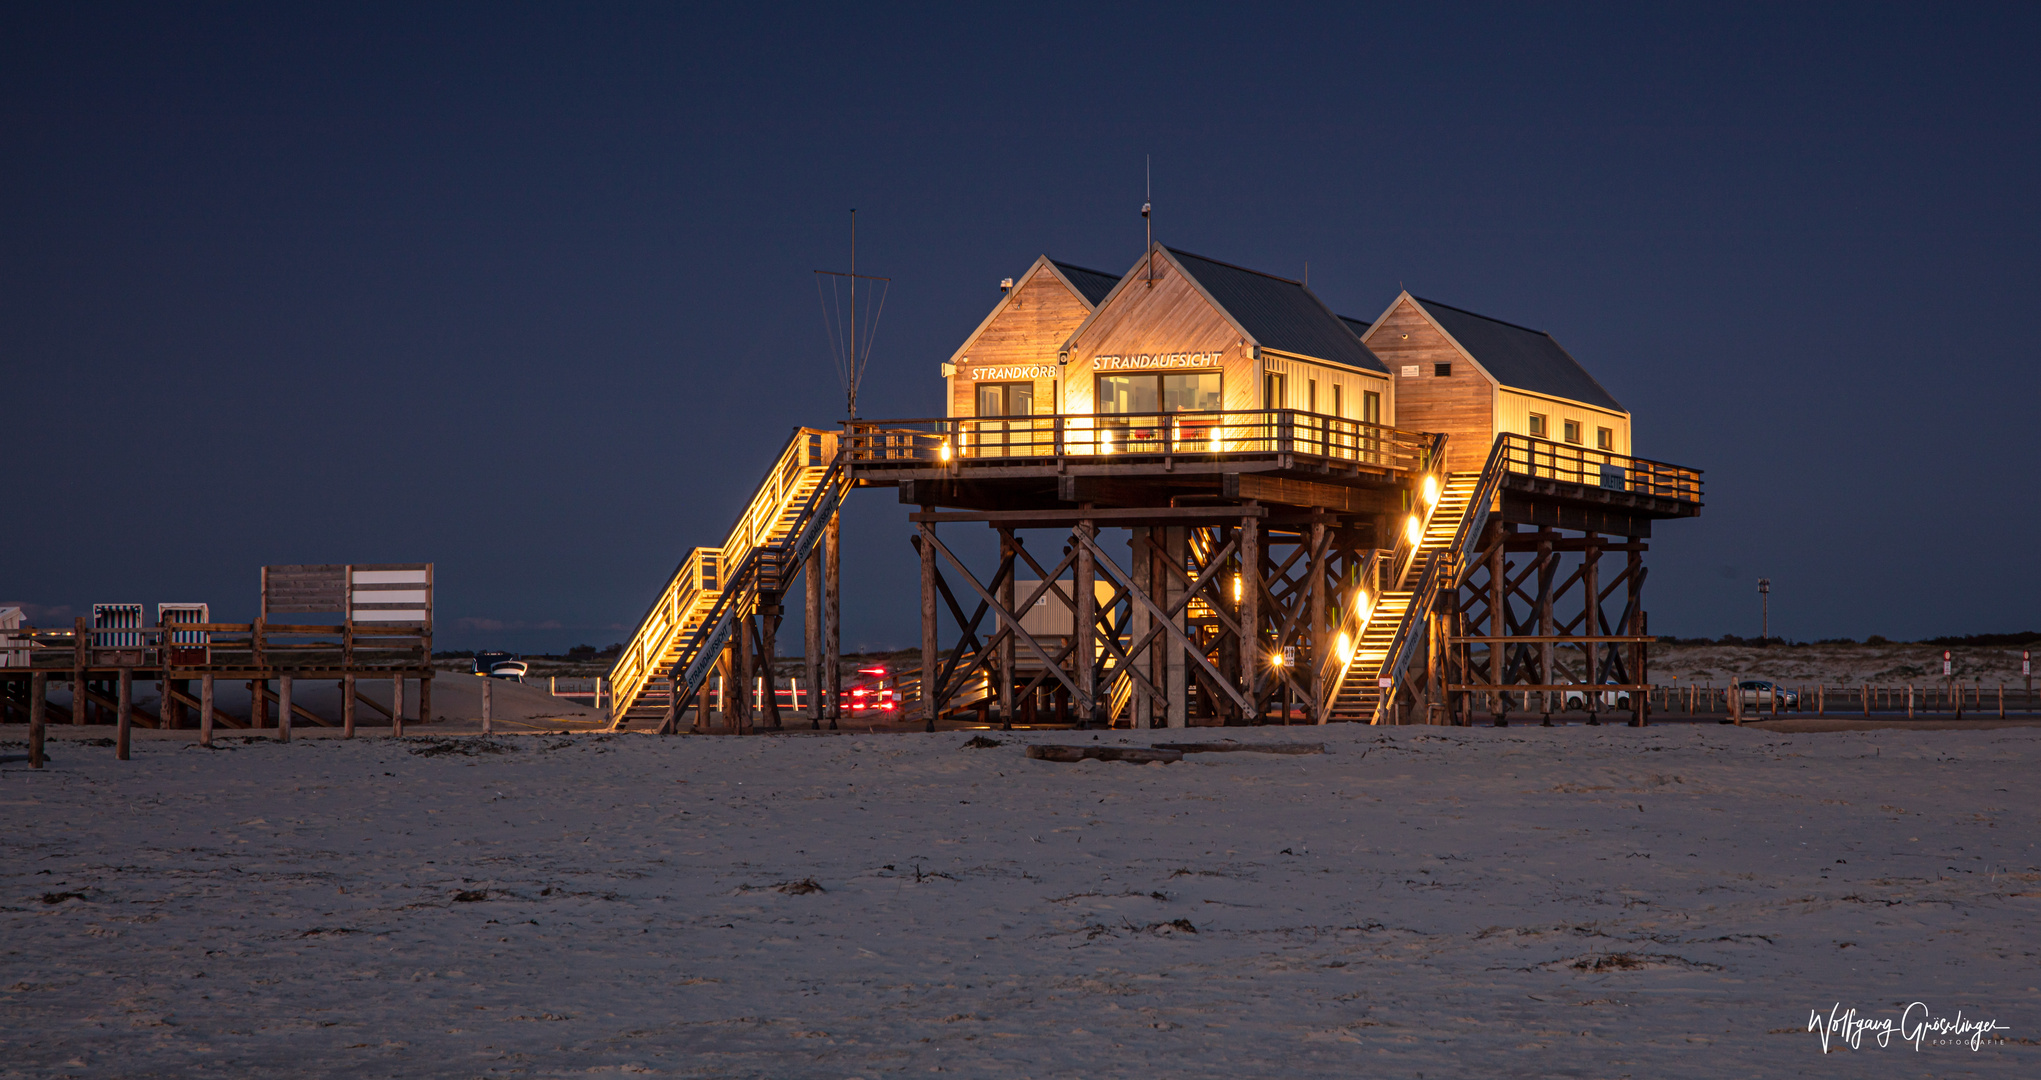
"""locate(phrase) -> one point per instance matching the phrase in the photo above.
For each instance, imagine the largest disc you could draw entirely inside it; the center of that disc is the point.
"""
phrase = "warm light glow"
(1361, 603)
(1431, 490)
(943, 452)
(1415, 530)
(1346, 648)
(1214, 440)
(1105, 439)
(1236, 588)
(1276, 658)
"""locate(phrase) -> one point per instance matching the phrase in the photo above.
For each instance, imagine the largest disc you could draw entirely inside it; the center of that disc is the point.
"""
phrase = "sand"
(1664, 902)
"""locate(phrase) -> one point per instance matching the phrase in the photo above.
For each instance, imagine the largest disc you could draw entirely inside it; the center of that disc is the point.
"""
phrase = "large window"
(1199, 392)
(1275, 391)
(999, 437)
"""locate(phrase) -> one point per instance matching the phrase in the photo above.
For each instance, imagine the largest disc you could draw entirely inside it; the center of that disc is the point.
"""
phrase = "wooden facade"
(1443, 386)
(1019, 341)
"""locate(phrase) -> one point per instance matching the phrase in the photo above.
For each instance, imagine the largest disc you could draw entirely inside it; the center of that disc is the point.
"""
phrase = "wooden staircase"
(1397, 619)
(715, 585)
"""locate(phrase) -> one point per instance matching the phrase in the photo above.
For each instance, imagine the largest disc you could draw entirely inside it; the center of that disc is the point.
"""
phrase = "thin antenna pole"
(1148, 201)
(853, 313)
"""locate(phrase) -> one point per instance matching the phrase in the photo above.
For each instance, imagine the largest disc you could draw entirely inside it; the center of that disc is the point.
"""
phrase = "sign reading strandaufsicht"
(1157, 360)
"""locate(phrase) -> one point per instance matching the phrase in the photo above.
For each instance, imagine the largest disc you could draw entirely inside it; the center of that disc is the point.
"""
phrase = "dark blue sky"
(527, 292)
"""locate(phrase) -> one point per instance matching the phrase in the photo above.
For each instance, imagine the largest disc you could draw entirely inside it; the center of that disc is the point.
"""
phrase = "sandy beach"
(1672, 901)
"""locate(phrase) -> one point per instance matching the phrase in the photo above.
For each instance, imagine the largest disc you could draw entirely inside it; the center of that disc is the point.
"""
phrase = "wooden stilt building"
(1260, 511)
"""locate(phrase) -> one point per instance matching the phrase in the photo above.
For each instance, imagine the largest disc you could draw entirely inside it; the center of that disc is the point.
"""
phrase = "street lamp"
(1765, 593)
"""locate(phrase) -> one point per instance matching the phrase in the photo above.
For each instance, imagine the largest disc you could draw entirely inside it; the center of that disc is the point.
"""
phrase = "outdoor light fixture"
(1361, 603)
(1415, 530)
(943, 452)
(1346, 648)
(1276, 658)
(1106, 437)
(1431, 490)
(1236, 588)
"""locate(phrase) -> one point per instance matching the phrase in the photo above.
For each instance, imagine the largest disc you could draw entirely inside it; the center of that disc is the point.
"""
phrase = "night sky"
(528, 292)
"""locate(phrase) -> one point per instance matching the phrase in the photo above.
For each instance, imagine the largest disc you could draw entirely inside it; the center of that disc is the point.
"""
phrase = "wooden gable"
(1461, 403)
(1020, 339)
(1170, 325)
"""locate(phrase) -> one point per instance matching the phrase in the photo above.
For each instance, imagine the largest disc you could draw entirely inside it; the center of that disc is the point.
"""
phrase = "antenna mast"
(1147, 201)
(850, 352)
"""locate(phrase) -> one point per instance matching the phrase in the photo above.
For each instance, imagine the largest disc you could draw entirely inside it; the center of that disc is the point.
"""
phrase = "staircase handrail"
(1405, 551)
(1334, 668)
(1443, 567)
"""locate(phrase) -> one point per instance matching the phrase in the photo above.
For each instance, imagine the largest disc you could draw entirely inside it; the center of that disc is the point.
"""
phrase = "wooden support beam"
(1044, 519)
(832, 617)
(929, 687)
(38, 705)
(1286, 491)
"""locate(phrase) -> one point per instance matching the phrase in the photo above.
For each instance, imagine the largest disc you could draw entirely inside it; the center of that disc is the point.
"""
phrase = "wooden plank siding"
(1300, 374)
(1463, 405)
(1172, 316)
(1026, 329)
(1514, 409)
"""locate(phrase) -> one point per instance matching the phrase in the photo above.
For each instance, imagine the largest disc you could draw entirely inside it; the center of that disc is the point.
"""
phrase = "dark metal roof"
(1358, 326)
(1519, 357)
(1094, 284)
(1280, 313)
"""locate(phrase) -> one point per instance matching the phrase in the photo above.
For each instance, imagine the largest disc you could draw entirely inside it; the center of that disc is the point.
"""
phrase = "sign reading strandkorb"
(988, 373)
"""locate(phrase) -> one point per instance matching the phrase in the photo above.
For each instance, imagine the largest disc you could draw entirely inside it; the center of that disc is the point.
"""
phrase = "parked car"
(1758, 694)
(1611, 699)
(500, 665)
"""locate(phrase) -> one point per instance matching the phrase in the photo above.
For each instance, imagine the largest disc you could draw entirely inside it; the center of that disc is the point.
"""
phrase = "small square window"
(1605, 439)
(1538, 424)
(1443, 371)
(1573, 431)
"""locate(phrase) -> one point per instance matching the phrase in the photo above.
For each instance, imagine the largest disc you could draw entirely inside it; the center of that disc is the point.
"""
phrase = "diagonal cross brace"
(1155, 611)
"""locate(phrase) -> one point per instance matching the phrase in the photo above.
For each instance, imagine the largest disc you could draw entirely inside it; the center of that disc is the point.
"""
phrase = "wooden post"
(1909, 701)
(1591, 654)
(1498, 625)
(738, 686)
(1867, 701)
(1640, 675)
(928, 622)
(488, 700)
(205, 709)
(38, 715)
(1139, 624)
(832, 617)
(1547, 565)
(811, 634)
(397, 707)
(283, 708)
(1250, 612)
(1320, 647)
(164, 705)
(1176, 678)
(1085, 628)
(425, 694)
(347, 706)
(125, 703)
(1009, 551)
(768, 651)
(81, 652)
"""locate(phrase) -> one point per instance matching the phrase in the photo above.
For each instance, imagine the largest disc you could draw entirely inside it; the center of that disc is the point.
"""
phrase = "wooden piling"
(929, 668)
(488, 700)
(1250, 613)
(397, 707)
(81, 652)
(1009, 547)
(425, 692)
(283, 708)
(38, 710)
(126, 704)
(832, 617)
(347, 707)
(205, 709)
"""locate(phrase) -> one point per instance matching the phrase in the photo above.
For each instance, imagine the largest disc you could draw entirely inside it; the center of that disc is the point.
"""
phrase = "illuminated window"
(1275, 391)
(1573, 431)
(1371, 406)
(1605, 439)
(1538, 427)
(1338, 404)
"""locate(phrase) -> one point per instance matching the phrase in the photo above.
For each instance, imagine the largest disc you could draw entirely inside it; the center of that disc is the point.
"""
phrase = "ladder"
(1383, 637)
(692, 618)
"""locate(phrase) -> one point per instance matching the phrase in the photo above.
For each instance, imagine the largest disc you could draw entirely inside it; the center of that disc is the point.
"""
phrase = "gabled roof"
(1277, 312)
(1360, 327)
(1093, 285)
(1519, 357)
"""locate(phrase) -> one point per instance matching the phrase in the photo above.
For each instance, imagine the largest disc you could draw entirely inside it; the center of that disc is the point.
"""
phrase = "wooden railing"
(1194, 435)
(197, 649)
(1524, 455)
